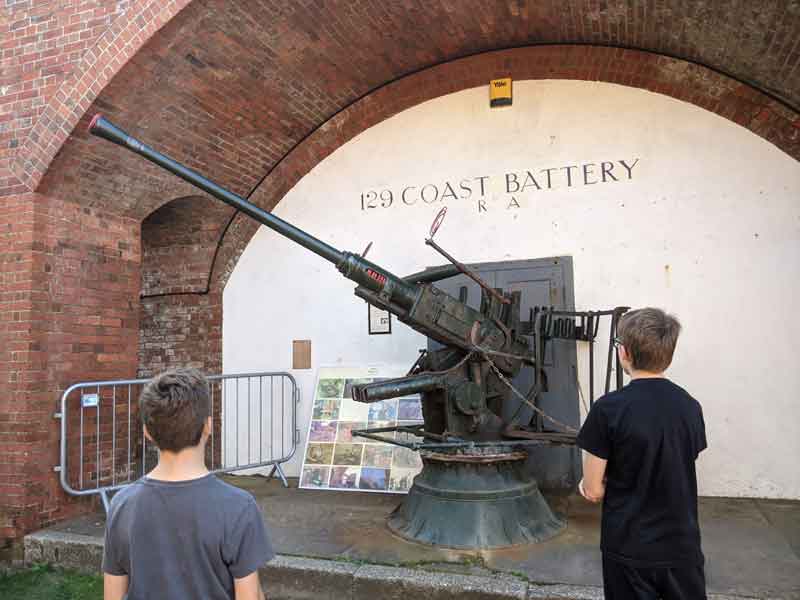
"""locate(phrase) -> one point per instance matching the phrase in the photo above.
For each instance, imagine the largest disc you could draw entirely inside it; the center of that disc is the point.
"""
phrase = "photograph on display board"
(344, 477)
(315, 477)
(377, 455)
(322, 431)
(385, 410)
(409, 409)
(335, 459)
(347, 454)
(330, 388)
(327, 409)
(345, 429)
(319, 454)
(374, 479)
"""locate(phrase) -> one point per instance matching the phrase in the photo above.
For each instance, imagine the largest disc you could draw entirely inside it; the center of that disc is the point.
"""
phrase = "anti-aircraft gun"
(473, 491)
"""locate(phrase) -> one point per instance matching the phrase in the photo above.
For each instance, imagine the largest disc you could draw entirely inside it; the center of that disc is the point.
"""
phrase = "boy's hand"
(248, 588)
(591, 498)
(593, 485)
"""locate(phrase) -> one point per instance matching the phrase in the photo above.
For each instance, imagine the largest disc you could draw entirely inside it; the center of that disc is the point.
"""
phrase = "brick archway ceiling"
(231, 88)
(179, 241)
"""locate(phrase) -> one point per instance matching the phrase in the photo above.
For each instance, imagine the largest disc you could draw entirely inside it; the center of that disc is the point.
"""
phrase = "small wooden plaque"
(301, 354)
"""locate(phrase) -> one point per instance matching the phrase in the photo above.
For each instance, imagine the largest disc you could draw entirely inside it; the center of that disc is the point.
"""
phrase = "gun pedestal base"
(479, 498)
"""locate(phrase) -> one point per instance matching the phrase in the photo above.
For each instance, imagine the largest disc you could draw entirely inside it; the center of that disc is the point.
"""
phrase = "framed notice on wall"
(380, 321)
(336, 460)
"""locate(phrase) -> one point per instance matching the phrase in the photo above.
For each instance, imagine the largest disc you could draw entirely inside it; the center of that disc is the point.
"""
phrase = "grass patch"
(47, 583)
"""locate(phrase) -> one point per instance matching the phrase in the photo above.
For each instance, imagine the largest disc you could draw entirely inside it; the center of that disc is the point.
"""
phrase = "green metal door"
(543, 282)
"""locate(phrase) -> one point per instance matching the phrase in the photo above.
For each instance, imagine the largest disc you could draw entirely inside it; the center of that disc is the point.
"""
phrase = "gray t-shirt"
(184, 539)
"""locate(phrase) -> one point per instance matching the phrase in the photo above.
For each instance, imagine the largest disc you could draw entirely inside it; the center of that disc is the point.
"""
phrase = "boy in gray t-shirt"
(180, 532)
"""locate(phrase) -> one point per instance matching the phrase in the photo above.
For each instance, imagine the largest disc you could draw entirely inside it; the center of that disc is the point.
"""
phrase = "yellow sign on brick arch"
(500, 92)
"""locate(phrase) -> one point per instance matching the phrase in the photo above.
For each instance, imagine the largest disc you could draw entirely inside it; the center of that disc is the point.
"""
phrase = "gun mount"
(472, 491)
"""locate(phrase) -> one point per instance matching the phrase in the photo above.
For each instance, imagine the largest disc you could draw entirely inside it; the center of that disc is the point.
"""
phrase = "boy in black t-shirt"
(640, 444)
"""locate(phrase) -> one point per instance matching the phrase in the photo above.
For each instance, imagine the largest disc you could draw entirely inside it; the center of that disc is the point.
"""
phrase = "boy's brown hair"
(175, 406)
(649, 336)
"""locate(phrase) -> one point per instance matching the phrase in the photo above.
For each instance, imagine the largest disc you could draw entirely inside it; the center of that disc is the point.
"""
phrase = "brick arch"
(179, 243)
(75, 95)
(686, 81)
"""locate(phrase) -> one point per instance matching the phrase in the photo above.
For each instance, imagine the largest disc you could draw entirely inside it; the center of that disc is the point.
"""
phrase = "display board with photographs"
(336, 460)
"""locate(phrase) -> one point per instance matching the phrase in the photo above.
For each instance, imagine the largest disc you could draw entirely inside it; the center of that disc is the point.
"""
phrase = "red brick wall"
(70, 277)
(56, 57)
(68, 312)
(183, 330)
(179, 241)
(41, 43)
(181, 320)
(16, 342)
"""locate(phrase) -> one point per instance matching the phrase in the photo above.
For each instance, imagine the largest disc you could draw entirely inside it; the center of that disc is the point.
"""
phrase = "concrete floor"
(752, 547)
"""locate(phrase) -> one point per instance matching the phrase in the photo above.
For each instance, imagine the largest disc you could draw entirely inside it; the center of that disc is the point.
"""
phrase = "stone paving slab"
(300, 578)
(82, 553)
(394, 583)
(336, 545)
(565, 592)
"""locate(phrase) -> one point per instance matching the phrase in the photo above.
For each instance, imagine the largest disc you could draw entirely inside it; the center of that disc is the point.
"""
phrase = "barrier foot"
(104, 498)
(276, 468)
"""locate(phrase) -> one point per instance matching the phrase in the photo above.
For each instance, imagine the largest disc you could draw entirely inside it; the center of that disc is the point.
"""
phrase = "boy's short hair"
(175, 406)
(649, 336)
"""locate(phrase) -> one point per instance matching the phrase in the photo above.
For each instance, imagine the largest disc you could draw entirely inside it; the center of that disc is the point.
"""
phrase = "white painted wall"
(707, 227)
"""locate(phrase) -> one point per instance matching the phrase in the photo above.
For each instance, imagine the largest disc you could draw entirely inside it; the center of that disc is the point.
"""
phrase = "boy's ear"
(623, 354)
(207, 427)
(147, 435)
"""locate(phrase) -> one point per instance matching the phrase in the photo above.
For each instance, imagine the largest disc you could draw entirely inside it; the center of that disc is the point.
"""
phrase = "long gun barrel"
(353, 267)
(413, 300)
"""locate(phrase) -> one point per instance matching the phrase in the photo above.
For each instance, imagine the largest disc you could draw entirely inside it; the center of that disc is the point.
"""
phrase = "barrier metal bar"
(107, 474)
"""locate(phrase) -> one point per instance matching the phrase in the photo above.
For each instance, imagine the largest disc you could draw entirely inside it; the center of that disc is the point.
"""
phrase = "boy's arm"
(114, 586)
(248, 588)
(593, 486)
(115, 573)
(247, 548)
(594, 439)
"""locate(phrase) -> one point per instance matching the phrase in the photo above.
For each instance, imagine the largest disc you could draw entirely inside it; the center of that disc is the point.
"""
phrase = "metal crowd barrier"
(103, 447)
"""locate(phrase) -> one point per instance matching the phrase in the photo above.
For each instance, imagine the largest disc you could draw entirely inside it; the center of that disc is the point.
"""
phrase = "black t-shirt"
(651, 431)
